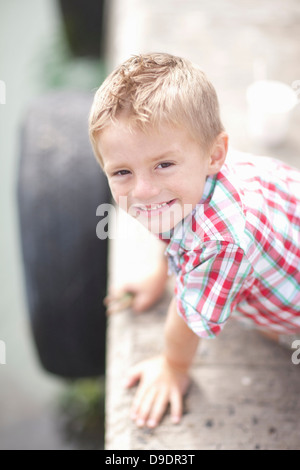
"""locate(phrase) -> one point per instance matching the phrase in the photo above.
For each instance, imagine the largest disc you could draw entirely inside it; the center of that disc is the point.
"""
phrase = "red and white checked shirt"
(239, 250)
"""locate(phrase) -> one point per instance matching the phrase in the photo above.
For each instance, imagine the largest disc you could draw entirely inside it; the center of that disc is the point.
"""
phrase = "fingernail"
(151, 423)
(175, 419)
(140, 422)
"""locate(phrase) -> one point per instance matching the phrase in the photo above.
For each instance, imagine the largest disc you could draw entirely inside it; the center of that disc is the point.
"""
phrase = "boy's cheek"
(113, 191)
(120, 199)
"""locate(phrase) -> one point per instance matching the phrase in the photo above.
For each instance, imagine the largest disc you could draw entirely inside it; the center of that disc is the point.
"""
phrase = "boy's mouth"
(152, 208)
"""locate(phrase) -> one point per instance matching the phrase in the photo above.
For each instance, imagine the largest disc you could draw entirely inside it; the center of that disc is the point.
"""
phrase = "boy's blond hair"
(154, 89)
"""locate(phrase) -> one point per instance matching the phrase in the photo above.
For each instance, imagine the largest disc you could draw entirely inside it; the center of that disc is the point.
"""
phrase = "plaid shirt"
(239, 250)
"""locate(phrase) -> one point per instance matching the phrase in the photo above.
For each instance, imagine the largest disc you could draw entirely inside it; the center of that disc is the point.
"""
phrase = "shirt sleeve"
(210, 285)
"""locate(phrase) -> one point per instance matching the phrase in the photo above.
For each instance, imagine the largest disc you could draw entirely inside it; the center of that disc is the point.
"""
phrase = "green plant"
(81, 410)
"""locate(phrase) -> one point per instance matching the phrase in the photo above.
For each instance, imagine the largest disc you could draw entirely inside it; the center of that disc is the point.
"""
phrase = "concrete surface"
(244, 393)
(245, 390)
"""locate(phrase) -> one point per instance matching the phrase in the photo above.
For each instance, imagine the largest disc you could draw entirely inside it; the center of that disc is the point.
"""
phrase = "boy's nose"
(144, 189)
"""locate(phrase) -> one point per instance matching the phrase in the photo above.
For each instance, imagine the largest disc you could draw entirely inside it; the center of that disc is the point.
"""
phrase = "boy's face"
(158, 177)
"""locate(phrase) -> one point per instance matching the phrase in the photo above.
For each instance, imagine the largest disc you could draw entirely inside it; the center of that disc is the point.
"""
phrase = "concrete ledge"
(244, 393)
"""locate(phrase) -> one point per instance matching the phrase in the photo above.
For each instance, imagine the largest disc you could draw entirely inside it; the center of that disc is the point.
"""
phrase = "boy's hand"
(139, 296)
(160, 384)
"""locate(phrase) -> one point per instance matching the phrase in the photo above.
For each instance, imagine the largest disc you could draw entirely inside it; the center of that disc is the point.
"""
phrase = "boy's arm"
(164, 379)
(181, 342)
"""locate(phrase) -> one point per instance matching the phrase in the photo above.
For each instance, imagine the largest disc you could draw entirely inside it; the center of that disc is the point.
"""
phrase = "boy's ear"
(218, 153)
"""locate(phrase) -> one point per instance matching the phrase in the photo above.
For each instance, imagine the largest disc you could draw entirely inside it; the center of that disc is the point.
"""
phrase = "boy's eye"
(164, 165)
(121, 173)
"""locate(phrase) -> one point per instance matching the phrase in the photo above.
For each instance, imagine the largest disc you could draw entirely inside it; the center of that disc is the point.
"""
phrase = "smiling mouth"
(155, 207)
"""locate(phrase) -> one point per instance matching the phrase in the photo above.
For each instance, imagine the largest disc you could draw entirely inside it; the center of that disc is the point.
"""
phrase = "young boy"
(232, 228)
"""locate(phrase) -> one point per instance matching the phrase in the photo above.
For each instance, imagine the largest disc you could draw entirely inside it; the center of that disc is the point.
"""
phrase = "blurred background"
(45, 45)
(48, 46)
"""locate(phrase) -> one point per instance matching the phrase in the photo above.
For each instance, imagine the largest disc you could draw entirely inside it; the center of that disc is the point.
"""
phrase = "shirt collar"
(208, 188)
(177, 235)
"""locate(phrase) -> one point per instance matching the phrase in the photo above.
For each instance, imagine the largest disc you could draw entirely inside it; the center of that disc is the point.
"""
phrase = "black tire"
(84, 26)
(60, 186)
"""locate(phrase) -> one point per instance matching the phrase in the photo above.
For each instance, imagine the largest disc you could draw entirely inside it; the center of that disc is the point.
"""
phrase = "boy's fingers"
(115, 293)
(142, 407)
(140, 395)
(107, 300)
(119, 302)
(113, 297)
(140, 303)
(176, 406)
(133, 376)
(160, 406)
(158, 409)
